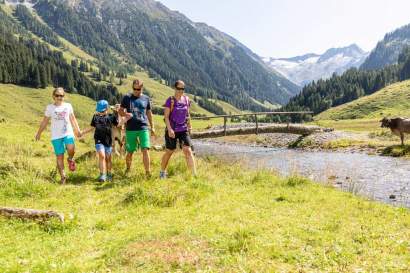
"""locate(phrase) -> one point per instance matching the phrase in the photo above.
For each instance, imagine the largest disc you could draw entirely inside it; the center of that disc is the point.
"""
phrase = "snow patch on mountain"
(28, 3)
(310, 67)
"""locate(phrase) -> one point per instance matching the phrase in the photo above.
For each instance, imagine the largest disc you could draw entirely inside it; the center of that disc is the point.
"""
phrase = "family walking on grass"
(135, 112)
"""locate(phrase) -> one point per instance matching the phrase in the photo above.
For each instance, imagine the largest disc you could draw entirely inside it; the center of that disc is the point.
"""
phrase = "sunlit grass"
(393, 100)
(227, 219)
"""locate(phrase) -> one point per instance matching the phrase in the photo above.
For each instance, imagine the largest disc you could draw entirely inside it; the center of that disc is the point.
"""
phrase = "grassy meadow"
(391, 101)
(227, 219)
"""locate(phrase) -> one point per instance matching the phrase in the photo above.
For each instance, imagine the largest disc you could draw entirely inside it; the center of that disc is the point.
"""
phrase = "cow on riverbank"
(398, 126)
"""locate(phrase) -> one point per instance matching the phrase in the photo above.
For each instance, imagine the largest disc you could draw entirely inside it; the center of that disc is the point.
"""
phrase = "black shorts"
(182, 137)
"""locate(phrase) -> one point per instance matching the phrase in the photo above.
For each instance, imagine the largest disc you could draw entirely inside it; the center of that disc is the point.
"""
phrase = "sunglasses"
(180, 88)
(59, 96)
(137, 89)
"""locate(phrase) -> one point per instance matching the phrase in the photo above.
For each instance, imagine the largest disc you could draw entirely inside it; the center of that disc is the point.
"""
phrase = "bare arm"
(167, 113)
(74, 123)
(43, 126)
(150, 120)
(86, 131)
(189, 122)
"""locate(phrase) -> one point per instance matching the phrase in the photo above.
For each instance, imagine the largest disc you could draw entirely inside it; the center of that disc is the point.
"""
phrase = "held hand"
(80, 134)
(153, 132)
(128, 116)
(171, 133)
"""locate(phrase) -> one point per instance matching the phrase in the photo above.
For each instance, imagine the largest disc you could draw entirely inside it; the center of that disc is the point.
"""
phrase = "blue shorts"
(61, 144)
(102, 147)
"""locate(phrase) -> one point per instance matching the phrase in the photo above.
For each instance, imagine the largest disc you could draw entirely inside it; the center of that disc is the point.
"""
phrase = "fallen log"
(296, 129)
(30, 214)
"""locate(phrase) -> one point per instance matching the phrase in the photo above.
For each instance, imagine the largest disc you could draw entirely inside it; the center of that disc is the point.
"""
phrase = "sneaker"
(71, 164)
(109, 177)
(102, 178)
(163, 175)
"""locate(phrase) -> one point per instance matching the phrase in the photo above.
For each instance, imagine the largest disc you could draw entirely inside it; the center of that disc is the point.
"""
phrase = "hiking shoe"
(63, 180)
(109, 177)
(127, 172)
(71, 164)
(102, 178)
(163, 175)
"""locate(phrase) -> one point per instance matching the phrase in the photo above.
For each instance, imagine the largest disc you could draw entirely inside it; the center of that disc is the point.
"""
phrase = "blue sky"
(286, 28)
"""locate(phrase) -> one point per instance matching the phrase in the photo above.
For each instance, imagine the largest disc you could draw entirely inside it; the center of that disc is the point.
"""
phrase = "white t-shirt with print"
(60, 120)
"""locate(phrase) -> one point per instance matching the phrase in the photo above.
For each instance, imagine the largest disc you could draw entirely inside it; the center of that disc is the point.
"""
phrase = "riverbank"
(352, 136)
(228, 219)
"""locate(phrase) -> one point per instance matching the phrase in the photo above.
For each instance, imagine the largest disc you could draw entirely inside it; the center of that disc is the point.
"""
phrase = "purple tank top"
(179, 115)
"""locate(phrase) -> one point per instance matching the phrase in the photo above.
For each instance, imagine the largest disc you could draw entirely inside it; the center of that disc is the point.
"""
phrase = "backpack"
(172, 106)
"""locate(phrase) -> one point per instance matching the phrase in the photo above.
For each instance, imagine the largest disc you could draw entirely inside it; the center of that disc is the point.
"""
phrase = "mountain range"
(145, 34)
(311, 67)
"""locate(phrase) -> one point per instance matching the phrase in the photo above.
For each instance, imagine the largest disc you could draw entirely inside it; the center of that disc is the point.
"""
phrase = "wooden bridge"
(288, 128)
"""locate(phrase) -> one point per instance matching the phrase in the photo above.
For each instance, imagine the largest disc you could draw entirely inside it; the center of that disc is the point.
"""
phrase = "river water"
(384, 179)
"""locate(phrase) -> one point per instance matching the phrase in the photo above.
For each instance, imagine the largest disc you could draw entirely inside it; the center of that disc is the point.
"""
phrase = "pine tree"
(43, 77)
(36, 77)
(112, 79)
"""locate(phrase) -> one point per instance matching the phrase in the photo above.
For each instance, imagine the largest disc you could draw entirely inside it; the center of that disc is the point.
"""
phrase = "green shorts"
(135, 140)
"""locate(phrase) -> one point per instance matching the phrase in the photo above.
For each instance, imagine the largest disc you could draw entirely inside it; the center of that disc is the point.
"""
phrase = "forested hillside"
(387, 50)
(26, 61)
(168, 45)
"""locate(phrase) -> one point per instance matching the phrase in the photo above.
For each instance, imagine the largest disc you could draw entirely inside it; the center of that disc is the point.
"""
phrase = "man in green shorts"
(136, 107)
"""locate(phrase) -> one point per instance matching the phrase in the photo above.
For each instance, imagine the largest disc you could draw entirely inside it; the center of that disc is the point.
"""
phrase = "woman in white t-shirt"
(62, 135)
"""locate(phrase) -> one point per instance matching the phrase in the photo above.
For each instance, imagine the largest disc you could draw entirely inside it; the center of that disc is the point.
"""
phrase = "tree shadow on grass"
(297, 143)
(122, 180)
(78, 179)
(396, 151)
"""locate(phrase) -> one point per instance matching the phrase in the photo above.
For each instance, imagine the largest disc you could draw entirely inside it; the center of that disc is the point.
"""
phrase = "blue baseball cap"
(102, 105)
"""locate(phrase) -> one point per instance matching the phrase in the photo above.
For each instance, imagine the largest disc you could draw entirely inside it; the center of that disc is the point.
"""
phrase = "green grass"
(352, 125)
(267, 104)
(228, 219)
(393, 100)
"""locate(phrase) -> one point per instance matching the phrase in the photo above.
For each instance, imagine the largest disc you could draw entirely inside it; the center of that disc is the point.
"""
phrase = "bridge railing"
(256, 114)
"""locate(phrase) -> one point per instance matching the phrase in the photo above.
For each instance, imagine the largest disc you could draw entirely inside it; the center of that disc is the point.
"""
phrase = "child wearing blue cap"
(102, 123)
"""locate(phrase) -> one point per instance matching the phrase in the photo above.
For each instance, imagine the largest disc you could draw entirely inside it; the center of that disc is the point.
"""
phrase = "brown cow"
(398, 126)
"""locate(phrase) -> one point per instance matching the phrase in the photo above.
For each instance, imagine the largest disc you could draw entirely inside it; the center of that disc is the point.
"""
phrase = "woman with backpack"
(178, 127)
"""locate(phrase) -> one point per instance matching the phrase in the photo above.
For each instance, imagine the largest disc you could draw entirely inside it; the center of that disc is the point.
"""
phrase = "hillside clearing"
(393, 100)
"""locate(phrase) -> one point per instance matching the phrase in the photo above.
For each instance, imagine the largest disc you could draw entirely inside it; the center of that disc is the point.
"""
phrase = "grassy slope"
(226, 219)
(160, 91)
(394, 100)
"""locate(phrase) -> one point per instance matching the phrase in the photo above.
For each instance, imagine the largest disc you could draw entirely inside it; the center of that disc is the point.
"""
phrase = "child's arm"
(88, 130)
(43, 126)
